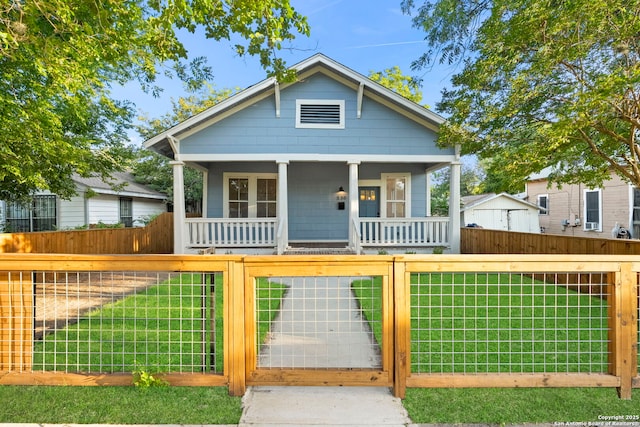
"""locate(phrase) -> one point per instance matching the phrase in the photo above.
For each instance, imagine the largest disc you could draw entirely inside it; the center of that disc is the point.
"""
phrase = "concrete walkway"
(321, 326)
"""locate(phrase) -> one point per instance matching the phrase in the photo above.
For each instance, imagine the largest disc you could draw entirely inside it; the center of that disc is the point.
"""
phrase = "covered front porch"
(363, 206)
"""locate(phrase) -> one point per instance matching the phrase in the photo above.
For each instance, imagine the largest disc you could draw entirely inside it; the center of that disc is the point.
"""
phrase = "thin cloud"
(365, 46)
(325, 6)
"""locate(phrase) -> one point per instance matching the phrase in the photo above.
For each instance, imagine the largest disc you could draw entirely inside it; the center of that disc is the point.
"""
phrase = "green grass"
(268, 299)
(478, 323)
(165, 328)
(368, 293)
(504, 323)
(118, 405)
(517, 405)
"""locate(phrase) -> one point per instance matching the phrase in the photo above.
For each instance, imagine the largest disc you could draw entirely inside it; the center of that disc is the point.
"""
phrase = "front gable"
(263, 121)
(256, 129)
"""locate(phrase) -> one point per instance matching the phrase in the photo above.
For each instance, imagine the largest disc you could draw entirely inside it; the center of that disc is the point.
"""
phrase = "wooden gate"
(312, 322)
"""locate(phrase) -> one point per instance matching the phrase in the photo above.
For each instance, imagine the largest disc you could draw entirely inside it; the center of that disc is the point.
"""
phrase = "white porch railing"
(231, 232)
(427, 231)
(262, 232)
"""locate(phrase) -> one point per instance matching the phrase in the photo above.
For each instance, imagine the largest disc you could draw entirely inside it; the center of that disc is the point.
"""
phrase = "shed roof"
(473, 201)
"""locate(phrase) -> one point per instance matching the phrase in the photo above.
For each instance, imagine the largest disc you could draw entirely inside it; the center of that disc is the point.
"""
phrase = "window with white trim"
(126, 211)
(397, 195)
(250, 195)
(543, 203)
(38, 215)
(592, 210)
(320, 113)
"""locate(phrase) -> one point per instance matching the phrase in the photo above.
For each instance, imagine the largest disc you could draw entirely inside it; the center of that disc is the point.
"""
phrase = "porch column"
(179, 215)
(428, 177)
(454, 206)
(282, 231)
(354, 209)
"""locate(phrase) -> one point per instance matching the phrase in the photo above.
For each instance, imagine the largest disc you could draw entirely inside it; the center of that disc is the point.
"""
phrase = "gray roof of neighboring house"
(118, 179)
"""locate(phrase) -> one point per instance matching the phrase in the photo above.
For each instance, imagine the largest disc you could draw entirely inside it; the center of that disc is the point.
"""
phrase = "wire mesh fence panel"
(509, 323)
(121, 321)
(318, 322)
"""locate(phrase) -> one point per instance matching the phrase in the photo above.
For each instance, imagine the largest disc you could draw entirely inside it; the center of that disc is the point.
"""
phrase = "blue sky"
(365, 35)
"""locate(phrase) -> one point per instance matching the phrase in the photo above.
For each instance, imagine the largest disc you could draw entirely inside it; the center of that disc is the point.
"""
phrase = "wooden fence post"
(16, 320)
(402, 339)
(623, 327)
(234, 315)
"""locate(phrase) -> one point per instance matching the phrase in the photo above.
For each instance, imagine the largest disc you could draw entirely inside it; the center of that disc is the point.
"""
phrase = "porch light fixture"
(341, 196)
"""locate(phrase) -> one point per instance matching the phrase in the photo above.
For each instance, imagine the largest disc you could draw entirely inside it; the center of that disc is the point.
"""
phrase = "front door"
(369, 198)
(369, 202)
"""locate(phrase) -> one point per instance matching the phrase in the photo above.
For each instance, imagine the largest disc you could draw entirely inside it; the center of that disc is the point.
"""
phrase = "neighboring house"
(331, 159)
(500, 212)
(578, 210)
(95, 202)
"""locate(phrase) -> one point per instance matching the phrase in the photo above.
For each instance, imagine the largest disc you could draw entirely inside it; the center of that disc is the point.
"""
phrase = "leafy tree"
(470, 183)
(392, 78)
(544, 83)
(153, 169)
(497, 180)
(59, 58)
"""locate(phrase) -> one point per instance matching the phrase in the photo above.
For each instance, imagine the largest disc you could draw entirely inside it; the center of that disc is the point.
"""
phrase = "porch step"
(319, 251)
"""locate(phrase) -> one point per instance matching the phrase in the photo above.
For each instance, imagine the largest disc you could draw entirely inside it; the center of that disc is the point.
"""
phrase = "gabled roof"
(162, 143)
(470, 202)
(124, 180)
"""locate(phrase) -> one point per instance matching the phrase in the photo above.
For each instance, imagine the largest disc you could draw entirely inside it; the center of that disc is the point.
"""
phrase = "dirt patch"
(61, 298)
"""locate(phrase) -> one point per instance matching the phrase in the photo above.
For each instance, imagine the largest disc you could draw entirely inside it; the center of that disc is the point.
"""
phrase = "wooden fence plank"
(16, 320)
(485, 241)
(512, 380)
(402, 344)
(156, 237)
(623, 330)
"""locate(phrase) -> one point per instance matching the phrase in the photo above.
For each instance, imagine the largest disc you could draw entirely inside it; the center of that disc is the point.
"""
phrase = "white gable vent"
(320, 113)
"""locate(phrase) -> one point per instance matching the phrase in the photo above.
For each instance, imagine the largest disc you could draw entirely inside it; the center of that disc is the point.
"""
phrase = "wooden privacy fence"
(155, 238)
(221, 320)
(485, 241)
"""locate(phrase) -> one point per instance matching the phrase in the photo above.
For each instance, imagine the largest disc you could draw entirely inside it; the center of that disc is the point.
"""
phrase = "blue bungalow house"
(330, 160)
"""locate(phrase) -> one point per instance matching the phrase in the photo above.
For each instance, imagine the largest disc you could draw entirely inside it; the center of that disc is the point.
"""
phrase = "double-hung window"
(397, 196)
(543, 202)
(250, 195)
(592, 210)
(126, 211)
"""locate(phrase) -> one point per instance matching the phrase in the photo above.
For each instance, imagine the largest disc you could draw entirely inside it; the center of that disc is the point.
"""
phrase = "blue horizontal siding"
(255, 129)
(312, 188)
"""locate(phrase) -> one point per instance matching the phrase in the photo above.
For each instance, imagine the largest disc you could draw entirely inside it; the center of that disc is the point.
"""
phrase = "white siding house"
(96, 202)
(500, 212)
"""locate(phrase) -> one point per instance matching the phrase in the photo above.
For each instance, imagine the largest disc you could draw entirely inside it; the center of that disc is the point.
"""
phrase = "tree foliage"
(470, 183)
(59, 59)
(544, 83)
(393, 78)
(153, 169)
